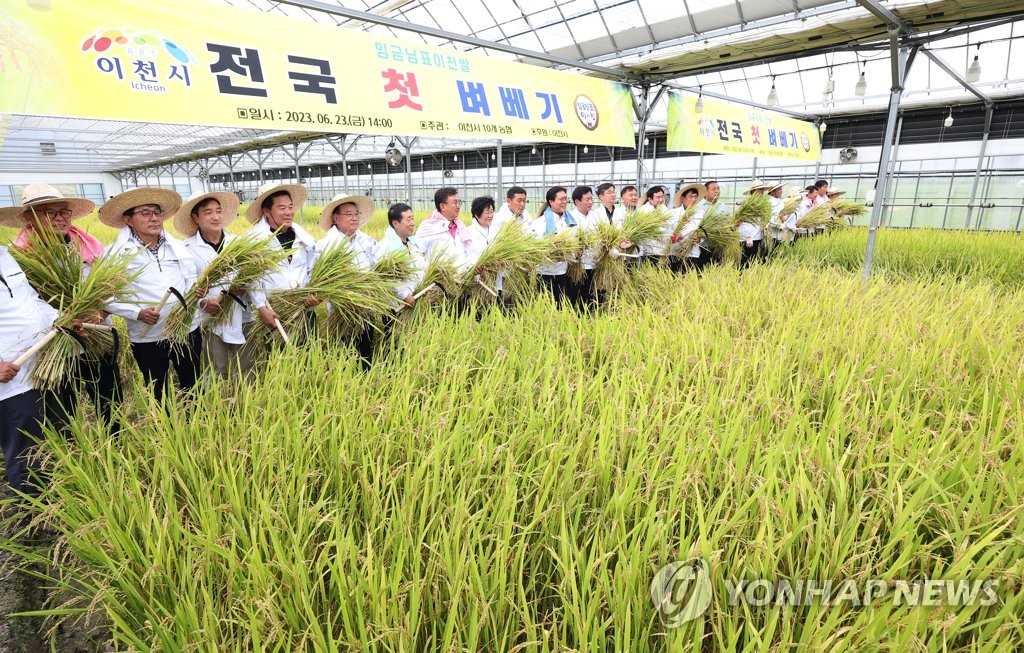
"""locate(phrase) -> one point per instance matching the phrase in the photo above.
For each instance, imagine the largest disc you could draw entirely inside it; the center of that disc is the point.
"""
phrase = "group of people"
(161, 264)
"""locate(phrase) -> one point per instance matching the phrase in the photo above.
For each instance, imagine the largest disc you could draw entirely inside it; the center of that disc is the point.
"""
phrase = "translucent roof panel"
(715, 44)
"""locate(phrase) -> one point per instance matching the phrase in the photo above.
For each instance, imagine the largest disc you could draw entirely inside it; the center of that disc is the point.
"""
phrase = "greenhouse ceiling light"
(699, 106)
(822, 127)
(948, 122)
(773, 95)
(974, 72)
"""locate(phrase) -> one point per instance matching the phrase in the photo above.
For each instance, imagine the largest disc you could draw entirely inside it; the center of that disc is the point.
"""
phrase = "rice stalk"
(719, 231)
(241, 263)
(78, 292)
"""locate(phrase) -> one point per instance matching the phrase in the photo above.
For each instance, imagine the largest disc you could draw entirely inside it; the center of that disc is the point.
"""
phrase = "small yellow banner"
(194, 62)
(724, 128)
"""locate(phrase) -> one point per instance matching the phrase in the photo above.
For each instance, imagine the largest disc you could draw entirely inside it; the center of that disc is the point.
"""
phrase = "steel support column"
(977, 169)
(900, 60)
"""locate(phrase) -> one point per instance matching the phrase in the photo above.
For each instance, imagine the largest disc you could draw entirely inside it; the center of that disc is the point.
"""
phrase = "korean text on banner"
(724, 128)
(196, 62)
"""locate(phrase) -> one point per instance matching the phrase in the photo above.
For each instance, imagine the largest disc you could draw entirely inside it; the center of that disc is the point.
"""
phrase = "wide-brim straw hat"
(795, 191)
(38, 193)
(835, 193)
(757, 184)
(297, 192)
(677, 199)
(112, 213)
(186, 226)
(364, 203)
(772, 189)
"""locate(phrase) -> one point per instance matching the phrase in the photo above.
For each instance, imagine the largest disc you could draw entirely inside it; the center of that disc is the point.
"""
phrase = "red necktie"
(452, 228)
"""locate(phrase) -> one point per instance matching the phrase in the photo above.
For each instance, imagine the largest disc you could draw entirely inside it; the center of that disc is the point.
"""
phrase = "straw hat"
(111, 213)
(677, 199)
(771, 189)
(186, 226)
(37, 193)
(795, 191)
(756, 185)
(296, 191)
(364, 203)
(835, 193)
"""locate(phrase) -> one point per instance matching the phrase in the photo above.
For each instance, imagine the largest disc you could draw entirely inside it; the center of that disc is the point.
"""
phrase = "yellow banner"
(724, 128)
(194, 62)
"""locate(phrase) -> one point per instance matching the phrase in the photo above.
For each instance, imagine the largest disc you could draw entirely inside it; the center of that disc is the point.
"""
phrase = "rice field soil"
(516, 483)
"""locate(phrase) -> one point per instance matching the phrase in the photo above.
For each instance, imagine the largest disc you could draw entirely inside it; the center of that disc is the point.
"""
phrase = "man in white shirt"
(604, 210)
(273, 212)
(443, 233)
(342, 219)
(779, 226)
(822, 188)
(550, 222)
(399, 237)
(24, 319)
(686, 196)
(750, 234)
(808, 202)
(514, 208)
(583, 202)
(653, 250)
(228, 344)
(164, 265)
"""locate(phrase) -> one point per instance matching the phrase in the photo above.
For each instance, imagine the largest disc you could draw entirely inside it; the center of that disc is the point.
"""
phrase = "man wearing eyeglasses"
(443, 233)
(164, 265)
(342, 219)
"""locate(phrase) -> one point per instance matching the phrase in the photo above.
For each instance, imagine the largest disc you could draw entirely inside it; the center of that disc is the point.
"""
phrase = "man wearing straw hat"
(751, 234)
(777, 223)
(226, 345)
(44, 209)
(686, 196)
(273, 212)
(165, 269)
(342, 219)
(24, 319)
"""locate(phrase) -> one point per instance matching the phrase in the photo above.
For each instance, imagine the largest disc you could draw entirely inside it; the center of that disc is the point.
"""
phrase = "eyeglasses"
(50, 214)
(455, 202)
(348, 215)
(148, 213)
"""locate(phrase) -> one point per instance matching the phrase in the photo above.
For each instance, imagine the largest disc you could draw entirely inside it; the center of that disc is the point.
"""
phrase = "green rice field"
(515, 482)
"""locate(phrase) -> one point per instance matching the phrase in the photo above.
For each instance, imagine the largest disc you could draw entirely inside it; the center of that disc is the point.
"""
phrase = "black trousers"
(101, 378)
(155, 358)
(556, 284)
(21, 427)
(751, 254)
(582, 294)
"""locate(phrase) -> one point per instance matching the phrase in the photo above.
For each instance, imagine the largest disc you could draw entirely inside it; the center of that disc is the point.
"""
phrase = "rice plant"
(79, 292)
(240, 264)
(515, 483)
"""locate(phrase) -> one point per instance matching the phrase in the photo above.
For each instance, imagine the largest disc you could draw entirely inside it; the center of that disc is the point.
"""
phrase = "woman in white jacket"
(166, 268)
(226, 345)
